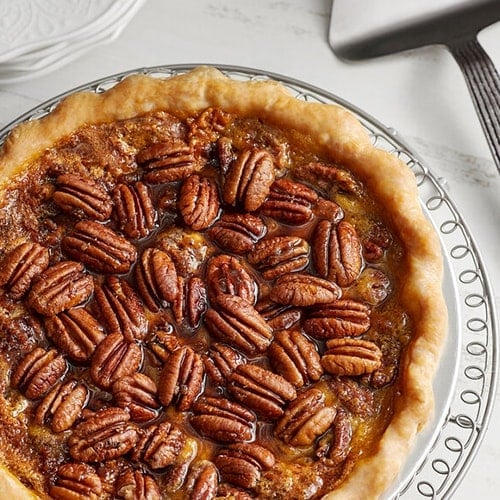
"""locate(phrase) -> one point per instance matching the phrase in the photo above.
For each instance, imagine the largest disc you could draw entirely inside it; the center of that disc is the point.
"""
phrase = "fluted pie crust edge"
(340, 136)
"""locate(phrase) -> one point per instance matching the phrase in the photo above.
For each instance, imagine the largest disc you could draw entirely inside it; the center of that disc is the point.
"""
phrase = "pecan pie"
(210, 289)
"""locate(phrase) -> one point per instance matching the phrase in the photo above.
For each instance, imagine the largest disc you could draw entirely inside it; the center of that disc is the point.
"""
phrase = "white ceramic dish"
(39, 47)
(28, 25)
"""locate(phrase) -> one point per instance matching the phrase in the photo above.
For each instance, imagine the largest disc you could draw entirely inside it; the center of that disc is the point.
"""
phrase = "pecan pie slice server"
(356, 33)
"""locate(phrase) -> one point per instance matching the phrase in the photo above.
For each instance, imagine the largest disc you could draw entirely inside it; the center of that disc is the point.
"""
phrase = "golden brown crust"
(337, 133)
(10, 487)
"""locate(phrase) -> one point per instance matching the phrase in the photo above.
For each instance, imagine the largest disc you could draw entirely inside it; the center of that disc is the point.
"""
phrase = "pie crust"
(338, 135)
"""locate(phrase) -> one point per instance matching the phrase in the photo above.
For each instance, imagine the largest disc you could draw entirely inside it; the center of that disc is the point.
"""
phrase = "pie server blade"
(453, 23)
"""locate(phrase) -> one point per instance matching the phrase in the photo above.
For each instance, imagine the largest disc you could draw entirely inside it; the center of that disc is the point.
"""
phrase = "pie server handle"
(484, 86)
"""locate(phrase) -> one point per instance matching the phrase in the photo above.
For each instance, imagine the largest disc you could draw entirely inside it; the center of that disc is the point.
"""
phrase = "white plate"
(47, 34)
(26, 25)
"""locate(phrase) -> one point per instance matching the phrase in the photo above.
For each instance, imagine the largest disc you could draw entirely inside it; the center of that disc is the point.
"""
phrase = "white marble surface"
(421, 94)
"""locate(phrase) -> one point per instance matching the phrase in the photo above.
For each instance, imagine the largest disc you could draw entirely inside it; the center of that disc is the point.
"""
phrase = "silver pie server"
(415, 23)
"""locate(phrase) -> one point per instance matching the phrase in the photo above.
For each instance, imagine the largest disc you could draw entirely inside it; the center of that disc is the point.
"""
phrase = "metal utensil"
(411, 24)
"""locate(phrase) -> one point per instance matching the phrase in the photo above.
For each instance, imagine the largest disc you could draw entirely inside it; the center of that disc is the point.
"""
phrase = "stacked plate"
(39, 36)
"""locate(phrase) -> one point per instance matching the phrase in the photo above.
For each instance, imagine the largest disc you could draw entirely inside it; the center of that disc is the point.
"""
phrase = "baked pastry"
(210, 289)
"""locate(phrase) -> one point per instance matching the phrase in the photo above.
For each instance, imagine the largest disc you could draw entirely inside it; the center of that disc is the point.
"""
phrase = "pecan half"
(177, 473)
(82, 197)
(227, 275)
(328, 209)
(295, 357)
(114, 358)
(137, 393)
(181, 379)
(199, 202)
(289, 202)
(337, 252)
(99, 248)
(303, 290)
(121, 309)
(75, 332)
(203, 481)
(305, 419)
(163, 343)
(166, 162)
(76, 481)
(351, 357)
(248, 179)
(376, 242)
(59, 287)
(342, 318)
(62, 406)
(192, 301)
(278, 316)
(136, 485)
(156, 279)
(237, 232)
(279, 255)
(222, 420)
(134, 211)
(341, 440)
(235, 321)
(328, 176)
(261, 390)
(103, 435)
(167, 202)
(241, 464)
(225, 153)
(159, 445)
(220, 362)
(20, 266)
(38, 372)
